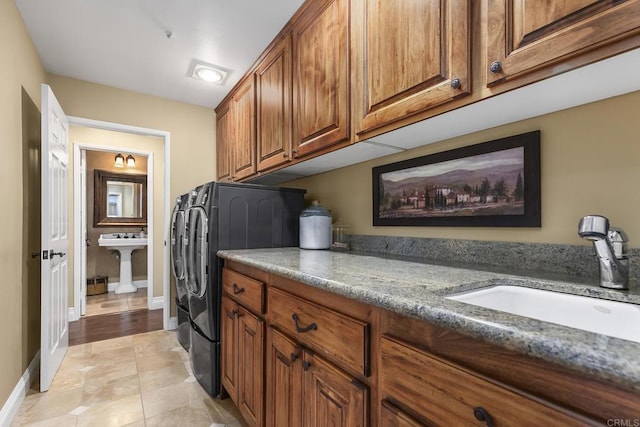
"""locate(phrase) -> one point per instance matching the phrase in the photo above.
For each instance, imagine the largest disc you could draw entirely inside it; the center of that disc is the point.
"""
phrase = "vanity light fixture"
(131, 161)
(208, 72)
(119, 161)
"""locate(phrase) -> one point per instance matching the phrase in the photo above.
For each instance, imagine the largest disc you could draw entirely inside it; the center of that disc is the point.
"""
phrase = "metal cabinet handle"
(481, 414)
(456, 84)
(294, 357)
(300, 329)
(306, 365)
(237, 290)
(236, 314)
(495, 67)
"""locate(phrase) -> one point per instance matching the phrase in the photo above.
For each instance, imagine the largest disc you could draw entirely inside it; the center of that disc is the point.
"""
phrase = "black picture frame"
(413, 193)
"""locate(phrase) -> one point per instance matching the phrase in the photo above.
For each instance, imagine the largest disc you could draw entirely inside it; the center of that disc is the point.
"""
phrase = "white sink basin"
(612, 318)
(111, 239)
(125, 246)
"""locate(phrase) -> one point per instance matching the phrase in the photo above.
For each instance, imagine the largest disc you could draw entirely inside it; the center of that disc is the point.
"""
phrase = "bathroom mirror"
(119, 199)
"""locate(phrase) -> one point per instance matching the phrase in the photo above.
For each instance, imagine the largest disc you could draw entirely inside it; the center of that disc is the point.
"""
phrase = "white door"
(54, 332)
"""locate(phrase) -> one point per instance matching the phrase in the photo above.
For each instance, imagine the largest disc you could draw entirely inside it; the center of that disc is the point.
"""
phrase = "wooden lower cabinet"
(306, 390)
(294, 355)
(284, 381)
(229, 338)
(441, 393)
(243, 360)
(331, 397)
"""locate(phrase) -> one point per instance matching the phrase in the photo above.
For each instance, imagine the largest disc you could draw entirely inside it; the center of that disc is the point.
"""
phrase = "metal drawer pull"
(300, 330)
(237, 290)
(481, 414)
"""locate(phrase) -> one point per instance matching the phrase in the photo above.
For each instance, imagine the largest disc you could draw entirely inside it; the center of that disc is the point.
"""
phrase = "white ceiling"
(123, 43)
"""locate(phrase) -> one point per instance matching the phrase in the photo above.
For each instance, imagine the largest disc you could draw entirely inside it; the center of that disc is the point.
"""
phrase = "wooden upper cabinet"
(244, 134)
(274, 86)
(412, 56)
(321, 84)
(223, 144)
(523, 36)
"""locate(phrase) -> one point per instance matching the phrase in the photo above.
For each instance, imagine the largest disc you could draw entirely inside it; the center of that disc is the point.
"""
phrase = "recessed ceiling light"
(209, 73)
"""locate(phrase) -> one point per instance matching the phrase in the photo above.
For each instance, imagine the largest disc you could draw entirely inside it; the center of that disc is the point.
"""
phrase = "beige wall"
(192, 128)
(21, 68)
(590, 163)
(100, 261)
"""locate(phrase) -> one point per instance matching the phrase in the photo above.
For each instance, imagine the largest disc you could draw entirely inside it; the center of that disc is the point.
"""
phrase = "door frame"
(166, 216)
(79, 227)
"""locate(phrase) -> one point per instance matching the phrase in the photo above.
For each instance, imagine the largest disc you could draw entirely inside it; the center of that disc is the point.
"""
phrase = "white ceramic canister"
(315, 227)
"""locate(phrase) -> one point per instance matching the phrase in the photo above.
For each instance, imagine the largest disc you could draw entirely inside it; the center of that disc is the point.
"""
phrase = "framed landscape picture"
(491, 184)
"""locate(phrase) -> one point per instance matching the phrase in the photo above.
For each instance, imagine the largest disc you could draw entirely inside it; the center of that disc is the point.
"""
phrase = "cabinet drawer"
(438, 391)
(247, 291)
(328, 332)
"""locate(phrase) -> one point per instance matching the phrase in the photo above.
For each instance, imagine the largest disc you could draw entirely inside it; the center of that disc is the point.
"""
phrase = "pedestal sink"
(125, 243)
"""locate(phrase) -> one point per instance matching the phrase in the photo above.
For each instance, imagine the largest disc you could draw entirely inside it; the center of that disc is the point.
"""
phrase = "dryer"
(178, 241)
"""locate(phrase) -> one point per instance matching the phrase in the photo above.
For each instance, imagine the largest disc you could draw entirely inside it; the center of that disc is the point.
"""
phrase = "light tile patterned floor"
(115, 303)
(138, 380)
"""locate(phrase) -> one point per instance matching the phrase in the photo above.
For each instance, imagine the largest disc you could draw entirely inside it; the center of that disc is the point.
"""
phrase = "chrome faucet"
(610, 244)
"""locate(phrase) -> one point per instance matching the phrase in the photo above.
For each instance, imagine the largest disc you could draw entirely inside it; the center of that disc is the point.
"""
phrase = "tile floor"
(113, 303)
(138, 380)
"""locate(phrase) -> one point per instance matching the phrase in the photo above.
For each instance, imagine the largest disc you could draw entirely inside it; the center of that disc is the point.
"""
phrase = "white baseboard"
(73, 316)
(137, 283)
(11, 406)
(157, 303)
(173, 324)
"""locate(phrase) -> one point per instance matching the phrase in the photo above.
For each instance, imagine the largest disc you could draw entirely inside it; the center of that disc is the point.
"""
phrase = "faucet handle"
(618, 239)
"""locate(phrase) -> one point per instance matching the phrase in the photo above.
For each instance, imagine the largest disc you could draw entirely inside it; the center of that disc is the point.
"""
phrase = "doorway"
(122, 214)
(156, 152)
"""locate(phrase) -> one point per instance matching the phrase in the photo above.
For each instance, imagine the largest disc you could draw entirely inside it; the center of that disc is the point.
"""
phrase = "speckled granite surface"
(416, 288)
(579, 261)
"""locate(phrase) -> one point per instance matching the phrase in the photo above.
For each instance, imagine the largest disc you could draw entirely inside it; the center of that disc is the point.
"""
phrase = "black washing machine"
(228, 216)
(178, 238)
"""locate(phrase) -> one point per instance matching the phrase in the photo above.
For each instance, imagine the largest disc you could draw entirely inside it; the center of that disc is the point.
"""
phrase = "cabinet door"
(284, 381)
(441, 393)
(229, 340)
(274, 85)
(321, 76)
(416, 55)
(523, 36)
(244, 130)
(250, 376)
(223, 144)
(331, 397)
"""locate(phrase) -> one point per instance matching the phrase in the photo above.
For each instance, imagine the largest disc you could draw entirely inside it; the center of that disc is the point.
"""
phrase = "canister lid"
(315, 210)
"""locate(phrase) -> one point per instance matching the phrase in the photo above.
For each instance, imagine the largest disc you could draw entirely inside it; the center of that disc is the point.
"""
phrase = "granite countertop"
(417, 289)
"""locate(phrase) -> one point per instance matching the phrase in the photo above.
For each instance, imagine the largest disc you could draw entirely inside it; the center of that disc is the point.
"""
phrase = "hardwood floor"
(106, 326)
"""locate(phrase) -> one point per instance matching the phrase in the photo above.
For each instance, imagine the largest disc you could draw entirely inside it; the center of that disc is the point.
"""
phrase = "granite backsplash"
(570, 260)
